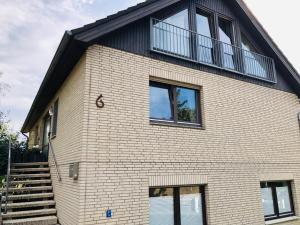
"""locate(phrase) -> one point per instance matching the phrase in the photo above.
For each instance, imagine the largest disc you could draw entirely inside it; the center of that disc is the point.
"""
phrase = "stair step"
(45, 220)
(41, 212)
(31, 175)
(48, 181)
(39, 188)
(25, 170)
(30, 196)
(30, 204)
(30, 164)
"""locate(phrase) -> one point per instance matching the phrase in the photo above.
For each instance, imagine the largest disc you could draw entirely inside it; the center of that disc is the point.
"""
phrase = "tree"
(185, 113)
(18, 146)
(3, 131)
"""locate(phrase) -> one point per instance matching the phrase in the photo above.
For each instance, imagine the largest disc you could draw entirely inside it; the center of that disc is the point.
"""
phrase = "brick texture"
(251, 133)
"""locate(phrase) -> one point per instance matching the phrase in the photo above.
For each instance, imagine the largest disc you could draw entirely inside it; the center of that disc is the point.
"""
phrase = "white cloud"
(87, 1)
(29, 35)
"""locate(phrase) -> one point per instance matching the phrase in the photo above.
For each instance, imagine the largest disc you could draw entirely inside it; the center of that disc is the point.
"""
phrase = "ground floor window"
(277, 200)
(177, 206)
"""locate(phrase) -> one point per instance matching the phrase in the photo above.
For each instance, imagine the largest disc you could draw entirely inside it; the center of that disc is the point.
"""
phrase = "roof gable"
(75, 42)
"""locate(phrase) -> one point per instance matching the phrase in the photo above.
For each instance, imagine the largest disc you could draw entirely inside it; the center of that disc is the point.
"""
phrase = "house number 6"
(99, 102)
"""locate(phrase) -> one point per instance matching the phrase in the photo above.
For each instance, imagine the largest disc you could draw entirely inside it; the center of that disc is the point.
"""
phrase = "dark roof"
(75, 42)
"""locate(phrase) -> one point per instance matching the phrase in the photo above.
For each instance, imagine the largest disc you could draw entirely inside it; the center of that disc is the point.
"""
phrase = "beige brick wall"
(251, 133)
(68, 143)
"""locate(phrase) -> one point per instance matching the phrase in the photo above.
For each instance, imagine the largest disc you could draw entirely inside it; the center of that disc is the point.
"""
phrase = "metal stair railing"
(4, 208)
(54, 159)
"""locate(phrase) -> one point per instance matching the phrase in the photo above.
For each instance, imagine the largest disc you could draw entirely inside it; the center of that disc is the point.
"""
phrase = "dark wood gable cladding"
(129, 30)
(135, 38)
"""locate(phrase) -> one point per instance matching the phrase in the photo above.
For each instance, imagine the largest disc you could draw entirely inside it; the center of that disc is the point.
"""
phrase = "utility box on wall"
(74, 170)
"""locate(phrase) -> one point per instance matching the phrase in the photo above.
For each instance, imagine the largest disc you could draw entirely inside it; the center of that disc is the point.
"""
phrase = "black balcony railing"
(181, 43)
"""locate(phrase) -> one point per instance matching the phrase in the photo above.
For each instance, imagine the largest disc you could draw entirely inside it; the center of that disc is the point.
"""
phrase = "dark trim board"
(75, 42)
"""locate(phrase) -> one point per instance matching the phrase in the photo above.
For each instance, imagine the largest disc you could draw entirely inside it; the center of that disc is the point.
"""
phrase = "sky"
(31, 30)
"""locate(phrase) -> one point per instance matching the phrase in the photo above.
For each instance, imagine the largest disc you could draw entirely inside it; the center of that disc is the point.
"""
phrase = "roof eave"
(59, 52)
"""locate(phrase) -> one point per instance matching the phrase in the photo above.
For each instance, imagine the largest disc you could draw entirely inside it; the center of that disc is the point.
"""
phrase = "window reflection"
(161, 206)
(205, 43)
(191, 206)
(173, 39)
(283, 197)
(254, 64)
(160, 102)
(170, 103)
(225, 34)
(267, 200)
(186, 105)
(277, 200)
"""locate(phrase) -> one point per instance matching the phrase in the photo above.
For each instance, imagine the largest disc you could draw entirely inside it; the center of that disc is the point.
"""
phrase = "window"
(169, 103)
(46, 132)
(277, 200)
(204, 36)
(205, 43)
(226, 37)
(171, 35)
(54, 119)
(177, 206)
(254, 63)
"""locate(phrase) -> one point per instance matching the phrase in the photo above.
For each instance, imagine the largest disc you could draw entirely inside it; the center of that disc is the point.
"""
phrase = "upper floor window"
(277, 199)
(170, 103)
(177, 206)
(205, 44)
(171, 31)
(254, 63)
(226, 38)
(209, 41)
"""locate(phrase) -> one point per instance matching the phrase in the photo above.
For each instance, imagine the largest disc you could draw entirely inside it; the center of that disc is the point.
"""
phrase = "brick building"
(173, 113)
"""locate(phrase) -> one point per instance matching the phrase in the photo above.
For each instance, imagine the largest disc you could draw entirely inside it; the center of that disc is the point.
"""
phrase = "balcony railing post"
(151, 33)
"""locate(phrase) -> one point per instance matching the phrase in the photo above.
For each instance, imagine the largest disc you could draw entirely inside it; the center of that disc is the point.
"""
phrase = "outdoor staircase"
(30, 198)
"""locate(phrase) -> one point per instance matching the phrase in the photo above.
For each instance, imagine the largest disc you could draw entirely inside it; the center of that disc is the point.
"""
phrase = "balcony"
(188, 45)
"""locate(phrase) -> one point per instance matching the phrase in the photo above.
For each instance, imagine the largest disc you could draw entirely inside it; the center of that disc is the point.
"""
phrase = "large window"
(277, 200)
(171, 35)
(226, 37)
(54, 118)
(254, 63)
(205, 43)
(206, 37)
(177, 206)
(170, 103)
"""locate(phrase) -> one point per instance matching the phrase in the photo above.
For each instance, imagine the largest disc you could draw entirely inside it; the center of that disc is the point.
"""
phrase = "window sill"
(287, 219)
(180, 125)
